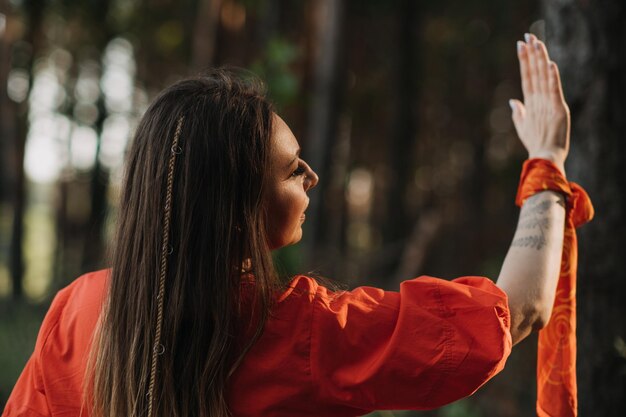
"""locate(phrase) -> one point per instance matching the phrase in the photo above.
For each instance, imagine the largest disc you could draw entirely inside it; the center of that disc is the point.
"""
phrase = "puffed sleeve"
(431, 343)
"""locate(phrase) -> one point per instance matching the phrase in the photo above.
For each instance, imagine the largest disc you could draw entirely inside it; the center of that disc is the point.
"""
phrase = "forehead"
(284, 143)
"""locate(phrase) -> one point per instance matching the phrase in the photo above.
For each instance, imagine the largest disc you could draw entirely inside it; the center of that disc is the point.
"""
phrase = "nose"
(311, 178)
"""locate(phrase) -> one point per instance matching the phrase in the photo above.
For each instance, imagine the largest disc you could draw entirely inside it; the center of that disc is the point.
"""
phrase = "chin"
(296, 237)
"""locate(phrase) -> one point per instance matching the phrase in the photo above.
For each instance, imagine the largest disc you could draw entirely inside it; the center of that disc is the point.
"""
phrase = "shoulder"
(67, 329)
(85, 292)
(300, 286)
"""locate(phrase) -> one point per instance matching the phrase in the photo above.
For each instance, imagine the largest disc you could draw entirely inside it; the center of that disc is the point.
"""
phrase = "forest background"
(400, 106)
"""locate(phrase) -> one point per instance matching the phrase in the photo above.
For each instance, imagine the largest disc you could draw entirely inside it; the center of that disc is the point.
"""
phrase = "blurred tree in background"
(400, 106)
(588, 41)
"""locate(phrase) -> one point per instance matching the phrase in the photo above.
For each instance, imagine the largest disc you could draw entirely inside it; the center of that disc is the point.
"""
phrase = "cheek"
(285, 209)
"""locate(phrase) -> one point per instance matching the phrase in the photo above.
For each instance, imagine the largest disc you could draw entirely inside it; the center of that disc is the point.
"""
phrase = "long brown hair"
(196, 230)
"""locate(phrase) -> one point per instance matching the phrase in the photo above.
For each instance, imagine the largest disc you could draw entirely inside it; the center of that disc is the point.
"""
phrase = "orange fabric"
(51, 382)
(321, 353)
(556, 356)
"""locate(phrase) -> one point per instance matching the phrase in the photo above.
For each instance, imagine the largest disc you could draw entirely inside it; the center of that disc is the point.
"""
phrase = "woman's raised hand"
(543, 120)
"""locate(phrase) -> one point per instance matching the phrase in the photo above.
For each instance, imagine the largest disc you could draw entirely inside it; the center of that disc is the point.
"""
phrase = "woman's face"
(290, 179)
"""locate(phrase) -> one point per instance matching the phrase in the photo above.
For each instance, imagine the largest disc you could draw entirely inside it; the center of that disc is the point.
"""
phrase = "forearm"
(531, 268)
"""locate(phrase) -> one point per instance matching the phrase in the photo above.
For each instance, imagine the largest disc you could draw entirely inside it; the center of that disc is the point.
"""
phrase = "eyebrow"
(294, 159)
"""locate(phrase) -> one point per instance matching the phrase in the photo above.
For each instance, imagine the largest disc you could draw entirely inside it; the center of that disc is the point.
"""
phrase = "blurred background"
(400, 106)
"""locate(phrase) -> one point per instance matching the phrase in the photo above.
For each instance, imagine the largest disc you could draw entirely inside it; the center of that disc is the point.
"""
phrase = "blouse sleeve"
(429, 344)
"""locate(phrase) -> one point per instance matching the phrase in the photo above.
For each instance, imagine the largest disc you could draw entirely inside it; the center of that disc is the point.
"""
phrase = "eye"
(299, 171)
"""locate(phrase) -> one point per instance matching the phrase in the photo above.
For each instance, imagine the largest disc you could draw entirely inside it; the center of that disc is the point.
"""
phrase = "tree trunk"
(323, 111)
(8, 109)
(34, 37)
(587, 40)
(205, 34)
(93, 253)
(93, 244)
(403, 131)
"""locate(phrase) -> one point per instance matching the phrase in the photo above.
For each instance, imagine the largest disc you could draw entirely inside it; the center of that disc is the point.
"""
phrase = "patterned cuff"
(541, 175)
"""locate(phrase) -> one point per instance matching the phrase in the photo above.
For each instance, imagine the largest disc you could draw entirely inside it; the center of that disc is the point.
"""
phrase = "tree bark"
(403, 129)
(205, 34)
(8, 109)
(34, 37)
(93, 253)
(323, 111)
(587, 40)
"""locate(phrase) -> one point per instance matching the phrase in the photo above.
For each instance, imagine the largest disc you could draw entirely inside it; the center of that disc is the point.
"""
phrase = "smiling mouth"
(303, 217)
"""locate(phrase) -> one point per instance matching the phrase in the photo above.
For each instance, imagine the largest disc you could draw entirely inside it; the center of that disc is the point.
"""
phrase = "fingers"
(556, 90)
(524, 69)
(542, 65)
(519, 112)
(538, 73)
(532, 62)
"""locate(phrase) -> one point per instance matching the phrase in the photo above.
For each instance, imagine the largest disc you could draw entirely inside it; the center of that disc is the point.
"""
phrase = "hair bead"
(159, 349)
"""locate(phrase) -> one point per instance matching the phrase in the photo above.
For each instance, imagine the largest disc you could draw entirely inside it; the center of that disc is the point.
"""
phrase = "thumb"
(519, 112)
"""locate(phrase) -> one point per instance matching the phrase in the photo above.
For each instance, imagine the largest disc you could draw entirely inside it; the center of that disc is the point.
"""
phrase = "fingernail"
(527, 37)
(512, 104)
(536, 44)
(520, 46)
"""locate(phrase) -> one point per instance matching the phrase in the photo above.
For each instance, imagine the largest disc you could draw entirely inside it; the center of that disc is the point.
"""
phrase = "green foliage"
(288, 260)
(18, 331)
(462, 408)
(169, 36)
(275, 67)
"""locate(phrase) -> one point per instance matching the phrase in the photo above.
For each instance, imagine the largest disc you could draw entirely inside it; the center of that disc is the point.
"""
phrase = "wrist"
(558, 162)
(541, 174)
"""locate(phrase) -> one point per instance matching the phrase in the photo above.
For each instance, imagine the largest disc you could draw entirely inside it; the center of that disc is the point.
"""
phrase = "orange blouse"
(321, 353)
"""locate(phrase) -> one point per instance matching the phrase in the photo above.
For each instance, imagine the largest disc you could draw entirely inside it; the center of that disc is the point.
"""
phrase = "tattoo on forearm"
(535, 208)
(533, 217)
(536, 241)
(534, 222)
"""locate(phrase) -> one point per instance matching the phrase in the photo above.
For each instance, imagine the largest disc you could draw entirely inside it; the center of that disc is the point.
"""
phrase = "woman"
(192, 320)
